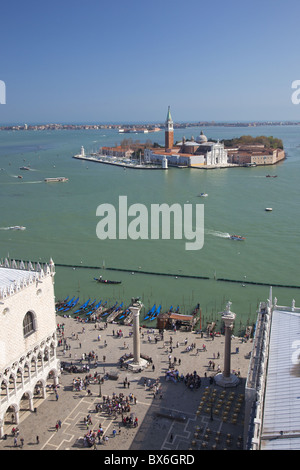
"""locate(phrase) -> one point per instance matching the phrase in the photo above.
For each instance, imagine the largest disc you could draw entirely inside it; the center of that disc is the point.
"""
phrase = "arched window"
(28, 324)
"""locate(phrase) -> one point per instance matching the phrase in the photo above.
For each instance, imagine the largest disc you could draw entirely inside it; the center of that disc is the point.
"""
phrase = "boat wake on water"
(23, 182)
(14, 227)
(216, 233)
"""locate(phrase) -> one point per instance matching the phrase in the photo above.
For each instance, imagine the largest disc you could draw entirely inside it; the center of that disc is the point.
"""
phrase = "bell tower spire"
(169, 132)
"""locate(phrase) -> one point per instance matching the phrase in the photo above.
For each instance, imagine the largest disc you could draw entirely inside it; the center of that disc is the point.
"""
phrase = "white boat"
(60, 179)
(268, 209)
(17, 227)
(203, 195)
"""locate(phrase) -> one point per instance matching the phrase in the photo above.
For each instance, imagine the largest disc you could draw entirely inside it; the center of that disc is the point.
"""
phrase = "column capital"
(228, 316)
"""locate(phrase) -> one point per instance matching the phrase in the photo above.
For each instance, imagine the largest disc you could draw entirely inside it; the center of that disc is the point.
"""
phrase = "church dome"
(201, 139)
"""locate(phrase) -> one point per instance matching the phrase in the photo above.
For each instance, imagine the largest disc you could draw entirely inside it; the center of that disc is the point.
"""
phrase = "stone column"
(226, 379)
(229, 321)
(137, 363)
(135, 309)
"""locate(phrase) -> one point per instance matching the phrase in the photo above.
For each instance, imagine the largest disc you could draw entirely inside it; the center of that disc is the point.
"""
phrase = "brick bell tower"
(169, 132)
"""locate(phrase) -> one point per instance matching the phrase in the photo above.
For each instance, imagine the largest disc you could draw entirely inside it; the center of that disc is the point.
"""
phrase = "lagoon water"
(61, 222)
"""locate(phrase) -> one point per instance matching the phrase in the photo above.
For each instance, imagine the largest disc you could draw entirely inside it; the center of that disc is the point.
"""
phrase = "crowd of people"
(111, 406)
(192, 381)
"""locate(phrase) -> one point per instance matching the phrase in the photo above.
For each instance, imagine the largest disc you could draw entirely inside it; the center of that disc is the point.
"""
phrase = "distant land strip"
(138, 126)
(184, 276)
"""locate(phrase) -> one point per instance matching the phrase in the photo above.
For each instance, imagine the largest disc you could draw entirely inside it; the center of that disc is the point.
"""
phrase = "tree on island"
(267, 142)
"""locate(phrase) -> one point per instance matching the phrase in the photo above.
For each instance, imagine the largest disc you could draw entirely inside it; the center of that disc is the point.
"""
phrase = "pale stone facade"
(27, 337)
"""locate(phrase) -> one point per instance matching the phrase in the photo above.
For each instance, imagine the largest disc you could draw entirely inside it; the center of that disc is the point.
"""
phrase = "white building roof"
(16, 275)
(281, 417)
(9, 276)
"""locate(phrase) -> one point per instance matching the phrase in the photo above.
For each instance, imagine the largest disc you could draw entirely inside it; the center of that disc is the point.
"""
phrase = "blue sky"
(126, 61)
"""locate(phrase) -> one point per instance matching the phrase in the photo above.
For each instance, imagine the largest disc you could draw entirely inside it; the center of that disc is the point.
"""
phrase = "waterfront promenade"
(170, 417)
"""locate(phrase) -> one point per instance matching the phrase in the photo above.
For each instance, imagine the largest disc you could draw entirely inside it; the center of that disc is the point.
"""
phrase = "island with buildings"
(196, 152)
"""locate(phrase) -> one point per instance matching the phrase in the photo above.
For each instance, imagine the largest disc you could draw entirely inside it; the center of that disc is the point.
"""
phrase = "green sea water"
(61, 222)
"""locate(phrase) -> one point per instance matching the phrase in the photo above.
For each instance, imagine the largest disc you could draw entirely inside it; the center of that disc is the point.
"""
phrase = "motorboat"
(268, 209)
(60, 179)
(203, 195)
(236, 237)
(17, 227)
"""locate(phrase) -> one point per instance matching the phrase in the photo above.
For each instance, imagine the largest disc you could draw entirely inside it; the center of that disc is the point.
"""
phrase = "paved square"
(170, 417)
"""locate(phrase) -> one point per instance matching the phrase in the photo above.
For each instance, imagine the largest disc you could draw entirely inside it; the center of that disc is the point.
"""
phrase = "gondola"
(66, 305)
(124, 314)
(72, 305)
(82, 306)
(87, 308)
(61, 303)
(109, 310)
(94, 308)
(106, 281)
(117, 311)
(155, 313)
(151, 311)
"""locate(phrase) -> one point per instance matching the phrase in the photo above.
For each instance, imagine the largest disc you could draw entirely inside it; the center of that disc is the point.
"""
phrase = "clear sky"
(127, 60)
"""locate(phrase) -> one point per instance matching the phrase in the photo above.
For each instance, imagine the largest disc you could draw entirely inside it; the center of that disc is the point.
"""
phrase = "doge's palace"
(28, 362)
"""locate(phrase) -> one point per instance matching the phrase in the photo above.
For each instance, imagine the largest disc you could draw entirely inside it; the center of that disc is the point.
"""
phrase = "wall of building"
(37, 298)
(257, 156)
(27, 360)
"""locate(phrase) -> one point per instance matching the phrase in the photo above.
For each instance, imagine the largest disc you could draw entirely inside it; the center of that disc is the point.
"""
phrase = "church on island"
(193, 153)
(199, 152)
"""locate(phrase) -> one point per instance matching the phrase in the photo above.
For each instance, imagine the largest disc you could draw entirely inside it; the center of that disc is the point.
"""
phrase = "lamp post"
(100, 391)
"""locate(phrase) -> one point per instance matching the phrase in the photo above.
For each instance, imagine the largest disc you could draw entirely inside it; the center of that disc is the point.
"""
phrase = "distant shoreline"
(137, 127)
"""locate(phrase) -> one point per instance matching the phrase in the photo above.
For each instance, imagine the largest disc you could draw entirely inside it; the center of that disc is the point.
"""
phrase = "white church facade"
(193, 153)
(28, 341)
